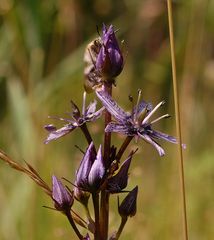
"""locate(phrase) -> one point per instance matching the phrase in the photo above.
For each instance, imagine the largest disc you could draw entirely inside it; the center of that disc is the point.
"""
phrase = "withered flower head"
(138, 123)
(128, 207)
(91, 171)
(63, 199)
(77, 119)
(109, 61)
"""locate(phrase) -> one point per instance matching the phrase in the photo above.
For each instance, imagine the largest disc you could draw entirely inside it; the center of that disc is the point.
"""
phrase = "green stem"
(178, 121)
(72, 223)
(95, 197)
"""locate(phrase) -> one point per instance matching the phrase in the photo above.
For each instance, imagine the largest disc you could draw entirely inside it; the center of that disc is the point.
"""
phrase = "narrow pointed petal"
(96, 115)
(117, 127)
(97, 171)
(153, 143)
(128, 207)
(113, 108)
(62, 198)
(55, 134)
(119, 181)
(85, 167)
(160, 135)
(91, 108)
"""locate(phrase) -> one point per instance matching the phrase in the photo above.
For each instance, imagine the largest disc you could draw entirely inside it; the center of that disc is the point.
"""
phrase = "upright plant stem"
(104, 206)
(178, 122)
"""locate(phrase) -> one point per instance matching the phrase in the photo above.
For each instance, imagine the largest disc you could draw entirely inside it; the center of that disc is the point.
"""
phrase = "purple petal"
(60, 194)
(97, 114)
(85, 167)
(148, 139)
(117, 127)
(160, 135)
(55, 134)
(91, 108)
(113, 108)
(97, 171)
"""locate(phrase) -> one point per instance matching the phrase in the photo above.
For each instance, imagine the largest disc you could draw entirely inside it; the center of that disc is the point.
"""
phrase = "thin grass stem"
(178, 121)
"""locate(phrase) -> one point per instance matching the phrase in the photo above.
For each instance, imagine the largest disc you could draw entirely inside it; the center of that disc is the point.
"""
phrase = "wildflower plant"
(103, 170)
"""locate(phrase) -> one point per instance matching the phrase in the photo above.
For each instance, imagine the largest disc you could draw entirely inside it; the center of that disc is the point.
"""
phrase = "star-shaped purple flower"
(138, 123)
(77, 119)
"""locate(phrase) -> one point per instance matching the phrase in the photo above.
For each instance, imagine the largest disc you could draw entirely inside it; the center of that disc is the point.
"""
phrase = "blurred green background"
(41, 70)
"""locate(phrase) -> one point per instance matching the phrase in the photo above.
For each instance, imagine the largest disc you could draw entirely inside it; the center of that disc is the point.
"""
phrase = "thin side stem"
(123, 148)
(178, 121)
(122, 225)
(95, 197)
(86, 133)
(71, 221)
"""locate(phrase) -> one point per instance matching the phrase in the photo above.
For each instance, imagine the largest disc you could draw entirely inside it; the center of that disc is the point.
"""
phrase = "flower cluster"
(101, 172)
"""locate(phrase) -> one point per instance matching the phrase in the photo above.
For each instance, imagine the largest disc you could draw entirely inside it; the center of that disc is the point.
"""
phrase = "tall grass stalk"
(178, 121)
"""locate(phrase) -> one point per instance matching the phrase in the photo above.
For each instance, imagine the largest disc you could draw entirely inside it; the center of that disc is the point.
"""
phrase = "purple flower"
(109, 61)
(91, 171)
(138, 123)
(128, 207)
(119, 181)
(63, 199)
(77, 120)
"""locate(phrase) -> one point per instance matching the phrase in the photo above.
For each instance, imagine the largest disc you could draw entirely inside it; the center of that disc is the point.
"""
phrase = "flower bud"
(63, 199)
(109, 61)
(85, 167)
(119, 181)
(97, 171)
(128, 206)
(90, 174)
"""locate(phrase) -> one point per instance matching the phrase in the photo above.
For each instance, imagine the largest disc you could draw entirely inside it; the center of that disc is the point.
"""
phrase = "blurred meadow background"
(41, 70)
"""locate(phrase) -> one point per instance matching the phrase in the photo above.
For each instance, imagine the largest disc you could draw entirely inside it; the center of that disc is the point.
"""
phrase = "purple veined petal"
(90, 110)
(55, 134)
(117, 127)
(160, 135)
(97, 171)
(85, 167)
(148, 139)
(60, 194)
(113, 108)
(142, 108)
(97, 114)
